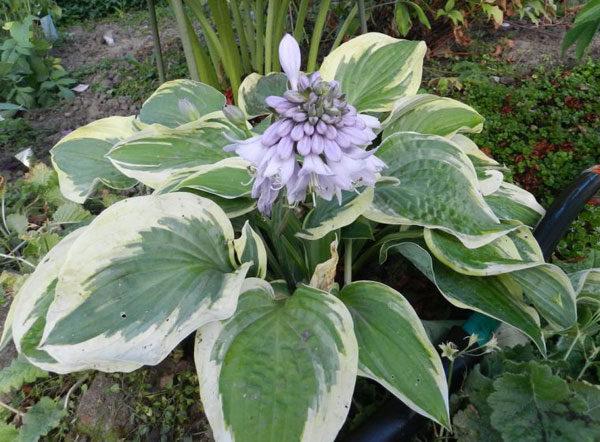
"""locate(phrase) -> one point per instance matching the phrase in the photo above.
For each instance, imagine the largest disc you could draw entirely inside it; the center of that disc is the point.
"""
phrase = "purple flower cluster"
(317, 143)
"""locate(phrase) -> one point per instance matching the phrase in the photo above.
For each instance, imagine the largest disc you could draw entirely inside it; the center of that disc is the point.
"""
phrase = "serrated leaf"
(19, 372)
(17, 223)
(8, 432)
(70, 212)
(42, 418)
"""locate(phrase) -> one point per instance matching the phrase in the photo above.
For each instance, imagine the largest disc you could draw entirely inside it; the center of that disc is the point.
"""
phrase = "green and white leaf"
(256, 88)
(586, 284)
(280, 369)
(249, 247)
(510, 202)
(477, 157)
(179, 102)
(436, 187)
(144, 274)
(492, 295)
(79, 158)
(375, 70)
(33, 299)
(549, 289)
(327, 216)
(229, 178)
(430, 114)
(156, 154)
(394, 349)
(515, 251)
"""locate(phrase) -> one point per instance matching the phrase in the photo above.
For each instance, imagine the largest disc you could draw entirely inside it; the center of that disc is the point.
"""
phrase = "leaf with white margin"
(430, 114)
(477, 157)
(33, 299)
(249, 247)
(80, 162)
(229, 178)
(179, 102)
(510, 202)
(256, 88)
(515, 251)
(146, 273)
(332, 215)
(374, 70)
(394, 349)
(154, 155)
(280, 369)
(436, 187)
(491, 295)
(586, 284)
(549, 289)
(323, 277)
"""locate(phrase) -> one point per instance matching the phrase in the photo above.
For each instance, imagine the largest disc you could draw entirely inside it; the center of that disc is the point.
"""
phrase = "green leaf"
(256, 88)
(17, 223)
(181, 101)
(156, 154)
(536, 405)
(19, 372)
(394, 349)
(79, 158)
(375, 70)
(229, 178)
(436, 187)
(430, 114)
(129, 292)
(249, 247)
(8, 432)
(327, 216)
(402, 16)
(42, 418)
(515, 251)
(510, 202)
(70, 212)
(491, 295)
(549, 289)
(281, 369)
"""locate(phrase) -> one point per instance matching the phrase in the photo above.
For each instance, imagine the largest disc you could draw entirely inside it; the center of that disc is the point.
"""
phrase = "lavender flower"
(317, 143)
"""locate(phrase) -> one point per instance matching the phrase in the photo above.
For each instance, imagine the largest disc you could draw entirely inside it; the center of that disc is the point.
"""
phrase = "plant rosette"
(240, 242)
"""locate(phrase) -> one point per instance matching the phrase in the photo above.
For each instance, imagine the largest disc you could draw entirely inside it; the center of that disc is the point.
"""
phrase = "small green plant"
(29, 76)
(585, 27)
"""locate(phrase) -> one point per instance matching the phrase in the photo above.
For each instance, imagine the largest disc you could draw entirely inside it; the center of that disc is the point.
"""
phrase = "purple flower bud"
(285, 127)
(304, 146)
(270, 136)
(321, 127)
(299, 117)
(309, 129)
(289, 58)
(297, 132)
(332, 150)
(331, 132)
(317, 144)
(285, 147)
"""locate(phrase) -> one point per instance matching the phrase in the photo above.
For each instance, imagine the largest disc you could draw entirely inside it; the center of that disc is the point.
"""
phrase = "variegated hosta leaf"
(331, 215)
(33, 299)
(229, 178)
(394, 350)
(489, 180)
(256, 88)
(374, 70)
(249, 247)
(278, 369)
(143, 275)
(79, 158)
(586, 284)
(515, 251)
(510, 202)
(181, 101)
(157, 153)
(490, 295)
(436, 187)
(430, 114)
(549, 289)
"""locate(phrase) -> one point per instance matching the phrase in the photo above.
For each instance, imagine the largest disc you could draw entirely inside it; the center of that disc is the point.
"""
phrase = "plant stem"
(348, 262)
(24, 261)
(11, 409)
(160, 64)
(278, 33)
(316, 37)
(74, 387)
(269, 35)
(180, 17)
(4, 216)
(237, 19)
(344, 27)
(260, 36)
(300, 19)
(363, 16)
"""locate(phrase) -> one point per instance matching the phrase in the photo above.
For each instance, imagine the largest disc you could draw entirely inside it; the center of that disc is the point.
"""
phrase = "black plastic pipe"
(394, 421)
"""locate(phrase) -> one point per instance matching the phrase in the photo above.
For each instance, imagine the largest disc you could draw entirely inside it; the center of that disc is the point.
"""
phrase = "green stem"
(269, 35)
(160, 64)
(344, 28)
(17, 258)
(177, 6)
(237, 19)
(206, 70)
(260, 36)
(249, 31)
(278, 33)
(316, 37)
(363, 16)
(11, 409)
(348, 262)
(300, 19)
(215, 49)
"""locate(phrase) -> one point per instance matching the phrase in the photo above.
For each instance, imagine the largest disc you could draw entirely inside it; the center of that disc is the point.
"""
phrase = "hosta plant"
(248, 223)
